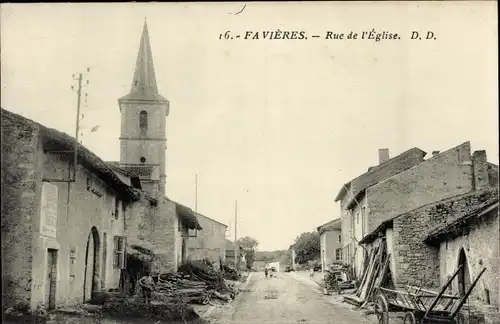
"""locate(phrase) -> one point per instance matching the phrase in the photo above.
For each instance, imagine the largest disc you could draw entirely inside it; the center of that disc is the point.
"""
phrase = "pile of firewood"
(175, 285)
(196, 282)
(230, 273)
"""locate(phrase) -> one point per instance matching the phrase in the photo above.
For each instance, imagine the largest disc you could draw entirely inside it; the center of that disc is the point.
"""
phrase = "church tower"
(144, 112)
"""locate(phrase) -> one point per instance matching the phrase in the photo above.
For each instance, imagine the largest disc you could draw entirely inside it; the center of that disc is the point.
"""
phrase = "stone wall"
(152, 145)
(416, 262)
(480, 252)
(442, 176)
(20, 183)
(329, 243)
(347, 230)
(154, 219)
(375, 174)
(210, 242)
(85, 216)
(493, 175)
(385, 170)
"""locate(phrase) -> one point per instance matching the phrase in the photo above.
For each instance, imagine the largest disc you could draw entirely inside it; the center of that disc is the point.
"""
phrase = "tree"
(247, 246)
(250, 258)
(307, 247)
(247, 243)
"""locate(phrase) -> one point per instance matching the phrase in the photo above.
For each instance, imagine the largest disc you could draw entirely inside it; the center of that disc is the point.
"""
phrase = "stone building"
(428, 243)
(72, 226)
(66, 235)
(352, 197)
(163, 224)
(330, 238)
(472, 240)
(58, 226)
(210, 242)
(407, 182)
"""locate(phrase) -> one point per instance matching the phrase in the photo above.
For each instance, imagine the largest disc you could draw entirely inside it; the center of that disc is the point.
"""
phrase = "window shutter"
(124, 253)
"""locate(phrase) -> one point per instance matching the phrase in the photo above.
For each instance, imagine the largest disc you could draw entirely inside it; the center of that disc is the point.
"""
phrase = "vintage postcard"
(250, 162)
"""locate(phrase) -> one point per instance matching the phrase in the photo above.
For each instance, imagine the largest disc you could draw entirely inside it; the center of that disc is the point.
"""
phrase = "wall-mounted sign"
(48, 212)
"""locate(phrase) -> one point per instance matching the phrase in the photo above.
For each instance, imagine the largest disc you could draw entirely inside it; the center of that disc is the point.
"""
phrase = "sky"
(278, 125)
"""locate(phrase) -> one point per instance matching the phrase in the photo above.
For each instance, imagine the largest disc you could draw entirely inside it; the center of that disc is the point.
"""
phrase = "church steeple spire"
(144, 85)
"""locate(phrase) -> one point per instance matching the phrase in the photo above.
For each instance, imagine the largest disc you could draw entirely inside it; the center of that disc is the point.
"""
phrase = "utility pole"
(78, 77)
(196, 194)
(78, 104)
(236, 221)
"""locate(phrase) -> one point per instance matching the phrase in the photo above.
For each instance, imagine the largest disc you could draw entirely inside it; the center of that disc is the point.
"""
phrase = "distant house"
(208, 243)
(273, 264)
(330, 242)
(259, 265)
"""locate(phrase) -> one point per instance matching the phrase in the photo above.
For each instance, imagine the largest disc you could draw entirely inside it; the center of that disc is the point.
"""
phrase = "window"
(338, 254)
(345, 254)
(119, 261)
(340, 238)
(143, 121)
(143, 159)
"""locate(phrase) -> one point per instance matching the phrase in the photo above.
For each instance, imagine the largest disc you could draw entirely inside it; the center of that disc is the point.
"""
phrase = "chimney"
(383, 155)
(434, 153)
(480, 168)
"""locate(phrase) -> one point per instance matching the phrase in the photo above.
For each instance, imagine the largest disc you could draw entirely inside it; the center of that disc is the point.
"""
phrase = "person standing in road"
(266, 271)
(148, 285)
(311, 273)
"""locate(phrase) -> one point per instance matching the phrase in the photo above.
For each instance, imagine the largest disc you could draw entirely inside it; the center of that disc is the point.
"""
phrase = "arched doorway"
(464, 274)
(91, 281)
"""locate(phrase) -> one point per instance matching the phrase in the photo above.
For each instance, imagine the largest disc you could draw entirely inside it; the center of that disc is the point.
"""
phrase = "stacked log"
(196, 282)
(230, 273)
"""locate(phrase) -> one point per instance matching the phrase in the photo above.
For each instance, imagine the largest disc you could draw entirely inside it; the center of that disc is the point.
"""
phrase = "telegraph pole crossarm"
(80, 85)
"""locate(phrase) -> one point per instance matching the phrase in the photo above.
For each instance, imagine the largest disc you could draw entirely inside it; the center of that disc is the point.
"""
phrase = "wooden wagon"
(421, 305)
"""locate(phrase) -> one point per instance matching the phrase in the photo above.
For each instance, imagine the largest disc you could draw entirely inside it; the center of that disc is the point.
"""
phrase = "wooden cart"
(421, 305)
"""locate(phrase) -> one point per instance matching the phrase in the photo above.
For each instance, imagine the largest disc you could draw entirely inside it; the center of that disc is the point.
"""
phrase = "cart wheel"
(382, 310)
(409, 318)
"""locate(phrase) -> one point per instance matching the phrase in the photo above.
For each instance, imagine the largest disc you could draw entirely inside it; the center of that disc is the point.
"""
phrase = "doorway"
(50, 284)
(91, 280)
(183, 251)
(464, 274)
